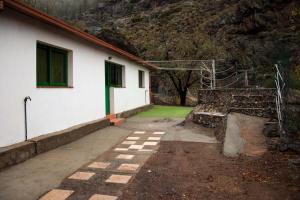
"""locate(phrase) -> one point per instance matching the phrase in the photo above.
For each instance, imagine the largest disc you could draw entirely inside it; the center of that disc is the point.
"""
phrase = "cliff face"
(251, 34)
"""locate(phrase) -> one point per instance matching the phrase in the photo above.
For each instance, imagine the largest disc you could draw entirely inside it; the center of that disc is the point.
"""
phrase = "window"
(116, 74)
(141, 79)
(52, 69)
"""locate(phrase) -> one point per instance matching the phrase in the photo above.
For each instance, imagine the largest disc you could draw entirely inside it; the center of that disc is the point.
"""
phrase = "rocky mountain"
(250, 34)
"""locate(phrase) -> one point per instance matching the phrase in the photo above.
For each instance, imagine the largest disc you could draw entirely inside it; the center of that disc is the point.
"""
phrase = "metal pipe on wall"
(25, 109)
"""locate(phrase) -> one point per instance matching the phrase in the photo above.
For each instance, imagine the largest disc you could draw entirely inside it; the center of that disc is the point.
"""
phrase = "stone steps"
(114, 121)
(254, 98)
(117, 121)
(256, 104)
(259, 112)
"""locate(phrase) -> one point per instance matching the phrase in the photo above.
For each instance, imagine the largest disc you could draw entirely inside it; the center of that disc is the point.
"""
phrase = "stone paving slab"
(57, 194)
(139, 145)
(146, 136)
(103, 197)
(115, 162)
(95, 185)
(81, 175)
(135, 149)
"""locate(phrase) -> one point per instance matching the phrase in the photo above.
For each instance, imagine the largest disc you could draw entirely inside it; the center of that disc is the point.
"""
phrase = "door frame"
(107, 87)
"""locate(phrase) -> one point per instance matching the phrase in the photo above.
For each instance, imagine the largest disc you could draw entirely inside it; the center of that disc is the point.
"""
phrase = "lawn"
(167, 111)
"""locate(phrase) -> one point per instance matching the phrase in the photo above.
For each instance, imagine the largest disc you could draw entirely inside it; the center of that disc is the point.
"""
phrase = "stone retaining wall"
(16, 153)
(22, 151)
(251, 101)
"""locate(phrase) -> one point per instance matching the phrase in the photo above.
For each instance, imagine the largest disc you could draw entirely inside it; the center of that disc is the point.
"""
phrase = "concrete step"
(117, 121)
(111, 116)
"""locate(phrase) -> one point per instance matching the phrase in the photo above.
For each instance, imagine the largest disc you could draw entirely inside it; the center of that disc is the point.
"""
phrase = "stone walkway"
(32, 178)
(106, 177)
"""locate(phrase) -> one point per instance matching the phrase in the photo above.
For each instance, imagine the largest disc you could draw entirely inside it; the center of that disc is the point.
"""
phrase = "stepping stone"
(129, 142)
(128, 167)
(57, 194)
(123, 179)
(154, 138)
(146, 150)
(121, 149)
(137, 147)
(82, 175)
(102, 197)
(159, 133)
(139, 132)
(125, 156)
(150, 143)
(99, 165)
(133, 138)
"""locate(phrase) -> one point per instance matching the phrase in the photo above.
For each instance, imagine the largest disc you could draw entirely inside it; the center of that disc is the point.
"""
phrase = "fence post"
(213, 74)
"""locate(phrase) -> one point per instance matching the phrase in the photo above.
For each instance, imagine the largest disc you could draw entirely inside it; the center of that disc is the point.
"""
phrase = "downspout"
(150, 89)
(25, 109)
(146, 97)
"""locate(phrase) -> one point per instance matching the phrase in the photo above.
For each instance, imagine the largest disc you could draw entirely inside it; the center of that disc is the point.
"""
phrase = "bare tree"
(182, 81)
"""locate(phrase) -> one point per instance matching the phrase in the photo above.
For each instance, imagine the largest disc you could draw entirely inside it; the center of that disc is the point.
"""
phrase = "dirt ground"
(188, 171)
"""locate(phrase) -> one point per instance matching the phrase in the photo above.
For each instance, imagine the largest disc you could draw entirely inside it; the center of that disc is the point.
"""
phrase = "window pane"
(119, 76)
(42, 66)
(58, 75)
(116, 75)
(112, 74)
(141, 79)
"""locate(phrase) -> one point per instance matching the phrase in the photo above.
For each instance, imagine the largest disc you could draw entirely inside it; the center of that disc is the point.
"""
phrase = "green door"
(107, 87)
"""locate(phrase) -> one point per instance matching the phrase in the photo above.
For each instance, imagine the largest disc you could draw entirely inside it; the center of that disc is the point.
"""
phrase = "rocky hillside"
(251, 34)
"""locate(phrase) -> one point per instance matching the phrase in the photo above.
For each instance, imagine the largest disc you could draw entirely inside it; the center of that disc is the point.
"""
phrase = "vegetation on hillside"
(251, 34)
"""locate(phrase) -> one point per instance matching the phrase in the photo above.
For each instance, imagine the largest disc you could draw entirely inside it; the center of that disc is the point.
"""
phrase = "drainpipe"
(25, 109)
(146, 96)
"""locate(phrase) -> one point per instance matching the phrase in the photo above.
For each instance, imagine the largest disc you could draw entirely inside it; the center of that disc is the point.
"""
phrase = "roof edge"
(32, 12)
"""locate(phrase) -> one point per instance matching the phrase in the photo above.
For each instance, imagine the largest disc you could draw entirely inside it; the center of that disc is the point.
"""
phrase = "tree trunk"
(183, 98)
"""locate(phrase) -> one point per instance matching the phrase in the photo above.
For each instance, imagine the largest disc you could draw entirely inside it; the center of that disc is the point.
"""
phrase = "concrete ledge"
(51, 141)
(135, 111)
(22, 151)
(16, 153)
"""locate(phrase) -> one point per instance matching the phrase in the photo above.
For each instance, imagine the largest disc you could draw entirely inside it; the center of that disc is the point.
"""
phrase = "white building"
(71, 76)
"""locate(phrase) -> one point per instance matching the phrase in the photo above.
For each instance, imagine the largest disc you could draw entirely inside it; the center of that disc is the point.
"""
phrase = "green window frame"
(141, 79)
(52, 66)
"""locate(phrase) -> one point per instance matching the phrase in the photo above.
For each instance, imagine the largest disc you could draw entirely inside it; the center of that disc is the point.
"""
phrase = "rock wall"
(250, 101)
(292, 113)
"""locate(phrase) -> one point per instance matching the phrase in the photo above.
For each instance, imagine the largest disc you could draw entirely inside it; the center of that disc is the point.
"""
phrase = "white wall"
(131, 96)
(54, 109)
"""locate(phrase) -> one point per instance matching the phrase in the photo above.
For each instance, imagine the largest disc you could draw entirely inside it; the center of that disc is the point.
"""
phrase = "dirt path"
(184, 170)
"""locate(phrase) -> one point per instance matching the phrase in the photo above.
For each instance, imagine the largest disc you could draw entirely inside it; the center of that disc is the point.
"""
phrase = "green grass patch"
(167, 112)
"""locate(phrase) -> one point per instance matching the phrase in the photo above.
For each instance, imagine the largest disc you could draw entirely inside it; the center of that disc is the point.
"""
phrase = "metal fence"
(280, 85)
